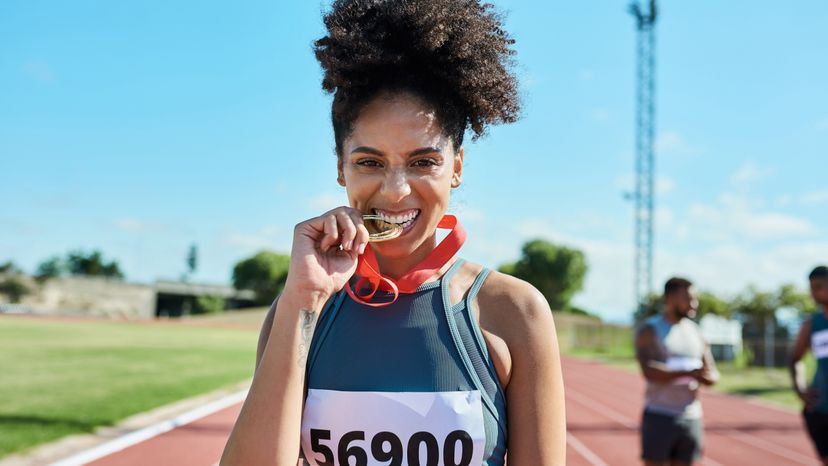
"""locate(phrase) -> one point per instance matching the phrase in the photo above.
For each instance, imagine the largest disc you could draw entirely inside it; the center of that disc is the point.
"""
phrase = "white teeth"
(399, 219)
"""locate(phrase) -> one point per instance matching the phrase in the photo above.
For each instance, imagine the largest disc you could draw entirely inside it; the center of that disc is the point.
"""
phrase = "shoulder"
(647, 326)
(807, 325)
(515, 308)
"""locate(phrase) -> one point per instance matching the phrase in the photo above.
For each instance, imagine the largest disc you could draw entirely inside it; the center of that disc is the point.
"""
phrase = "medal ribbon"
(369, 274)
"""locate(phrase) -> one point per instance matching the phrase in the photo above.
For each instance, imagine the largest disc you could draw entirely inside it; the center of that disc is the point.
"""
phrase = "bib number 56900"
(387, 446)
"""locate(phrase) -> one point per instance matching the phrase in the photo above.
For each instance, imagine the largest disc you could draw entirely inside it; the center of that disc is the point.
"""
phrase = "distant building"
(723, 335)
(103, 297)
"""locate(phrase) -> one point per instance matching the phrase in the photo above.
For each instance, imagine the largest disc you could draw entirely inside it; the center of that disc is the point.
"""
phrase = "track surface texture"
(603, 412)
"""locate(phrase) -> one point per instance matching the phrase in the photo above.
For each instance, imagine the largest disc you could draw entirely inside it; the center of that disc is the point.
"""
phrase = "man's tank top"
(683, 345)
(819, 346)
(411, 383)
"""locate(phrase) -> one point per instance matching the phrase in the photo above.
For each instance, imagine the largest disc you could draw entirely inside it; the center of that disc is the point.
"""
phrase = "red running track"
(603, 409)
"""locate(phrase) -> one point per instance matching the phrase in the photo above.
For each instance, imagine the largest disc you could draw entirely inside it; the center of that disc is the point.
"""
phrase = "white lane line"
(582, 450)
(149, 432)
(709, 462)
(770, 447)
(605, 410)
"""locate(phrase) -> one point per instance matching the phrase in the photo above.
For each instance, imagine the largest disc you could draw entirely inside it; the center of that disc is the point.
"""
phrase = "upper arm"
(802, 342)
(708, 361)
(645, 346)
(535, 394)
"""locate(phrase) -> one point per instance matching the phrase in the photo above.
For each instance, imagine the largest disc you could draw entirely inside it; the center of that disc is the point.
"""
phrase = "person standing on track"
(813, 335)
(399, 352)
(675, 359)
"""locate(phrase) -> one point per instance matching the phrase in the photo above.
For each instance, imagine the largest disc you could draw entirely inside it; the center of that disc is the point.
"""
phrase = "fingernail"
(362, 248)
(348, 245)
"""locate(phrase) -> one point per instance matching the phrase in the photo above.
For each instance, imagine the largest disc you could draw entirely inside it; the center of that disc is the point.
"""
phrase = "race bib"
(819, 344)
(683, 363)
(393, 428)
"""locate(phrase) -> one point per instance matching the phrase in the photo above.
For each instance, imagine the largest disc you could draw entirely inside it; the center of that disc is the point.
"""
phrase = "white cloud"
(326, 201)
(734, 219)
(586, 75)
(822, 125)
(819, 196)
(469, 214)
(729, 246)
(671, 142)
(272, 237)
(784, 200)
(749, 172)
(40, 71)
(729, 268)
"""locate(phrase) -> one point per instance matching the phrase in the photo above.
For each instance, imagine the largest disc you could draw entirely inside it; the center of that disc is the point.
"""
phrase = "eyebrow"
(414, 153)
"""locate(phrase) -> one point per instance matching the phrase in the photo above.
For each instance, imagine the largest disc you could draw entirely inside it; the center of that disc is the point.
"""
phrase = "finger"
(361, 232)
(348, 229)
(331, 235)
(362, 238)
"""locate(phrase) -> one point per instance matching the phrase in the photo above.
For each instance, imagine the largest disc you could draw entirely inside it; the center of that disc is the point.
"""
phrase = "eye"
(426, 162)
(368, 163)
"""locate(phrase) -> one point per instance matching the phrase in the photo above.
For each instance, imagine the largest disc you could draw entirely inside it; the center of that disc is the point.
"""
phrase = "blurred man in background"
(813, 335)
(675, 359)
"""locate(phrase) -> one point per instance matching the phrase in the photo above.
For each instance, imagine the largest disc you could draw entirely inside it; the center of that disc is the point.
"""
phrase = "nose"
(395, 186)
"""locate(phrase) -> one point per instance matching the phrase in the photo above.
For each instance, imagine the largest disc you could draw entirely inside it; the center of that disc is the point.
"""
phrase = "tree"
(14, 289)
(9, 267)
(265, 274)
(192, 260)
(712, 304)
(653, 304)
(209, 305)
(50, 268)
(790, 296)
(92, 264)
(708, 304)
(556, 271)
(78, 263)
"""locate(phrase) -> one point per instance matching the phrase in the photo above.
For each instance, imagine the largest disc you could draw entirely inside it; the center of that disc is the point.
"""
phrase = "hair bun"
(458, 48)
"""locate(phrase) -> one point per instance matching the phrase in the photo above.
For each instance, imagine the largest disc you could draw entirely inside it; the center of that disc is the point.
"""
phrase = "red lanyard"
(368, 267)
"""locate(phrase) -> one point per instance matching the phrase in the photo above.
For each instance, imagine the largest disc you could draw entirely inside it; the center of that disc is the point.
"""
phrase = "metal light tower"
(644, 150)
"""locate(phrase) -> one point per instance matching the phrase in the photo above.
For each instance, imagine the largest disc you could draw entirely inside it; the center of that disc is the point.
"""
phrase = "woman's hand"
(325, 251)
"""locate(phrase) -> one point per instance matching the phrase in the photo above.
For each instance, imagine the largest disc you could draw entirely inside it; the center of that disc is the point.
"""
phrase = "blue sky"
(141, 127)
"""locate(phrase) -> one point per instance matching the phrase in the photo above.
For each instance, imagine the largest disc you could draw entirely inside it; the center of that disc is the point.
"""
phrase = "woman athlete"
(398, 352)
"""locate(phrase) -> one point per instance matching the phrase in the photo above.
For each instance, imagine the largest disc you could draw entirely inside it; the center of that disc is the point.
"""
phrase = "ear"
(457, 176)
(340, 174)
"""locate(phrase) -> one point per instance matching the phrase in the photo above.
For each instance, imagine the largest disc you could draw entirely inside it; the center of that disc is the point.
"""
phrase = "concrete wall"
(90, 297)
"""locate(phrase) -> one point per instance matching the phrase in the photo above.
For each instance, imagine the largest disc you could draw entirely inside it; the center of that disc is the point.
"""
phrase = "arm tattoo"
(307, 326)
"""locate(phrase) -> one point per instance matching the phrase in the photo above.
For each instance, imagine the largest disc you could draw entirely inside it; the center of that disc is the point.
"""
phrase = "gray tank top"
(420, 343)
(683, 346)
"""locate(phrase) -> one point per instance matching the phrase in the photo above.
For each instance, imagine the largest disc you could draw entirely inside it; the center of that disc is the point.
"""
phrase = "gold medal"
(380, 230)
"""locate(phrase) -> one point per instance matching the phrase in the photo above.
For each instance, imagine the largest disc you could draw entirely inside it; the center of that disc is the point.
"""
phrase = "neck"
(396, 267)
(671, 316)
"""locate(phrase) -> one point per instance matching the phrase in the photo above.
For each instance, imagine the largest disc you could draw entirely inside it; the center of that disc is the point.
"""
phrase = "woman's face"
(397, 163)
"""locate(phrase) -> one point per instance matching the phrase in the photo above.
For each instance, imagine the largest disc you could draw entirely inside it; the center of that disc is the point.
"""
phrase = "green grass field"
(67, 377)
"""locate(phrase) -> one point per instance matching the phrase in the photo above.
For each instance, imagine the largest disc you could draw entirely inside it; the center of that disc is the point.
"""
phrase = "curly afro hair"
(453, 54)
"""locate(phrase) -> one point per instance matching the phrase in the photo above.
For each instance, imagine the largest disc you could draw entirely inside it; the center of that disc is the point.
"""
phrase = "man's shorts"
(665, 438)
(817, 424)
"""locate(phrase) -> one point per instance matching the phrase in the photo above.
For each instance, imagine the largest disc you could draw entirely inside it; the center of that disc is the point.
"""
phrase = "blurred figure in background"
(675, 359)
(814, 335)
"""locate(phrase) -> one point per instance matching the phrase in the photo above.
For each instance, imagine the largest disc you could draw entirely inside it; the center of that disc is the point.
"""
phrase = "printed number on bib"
(421, 449)
(819, 344)
(393, 428)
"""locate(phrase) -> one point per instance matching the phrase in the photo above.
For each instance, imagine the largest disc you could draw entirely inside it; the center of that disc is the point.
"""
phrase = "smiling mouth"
(384, 226)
